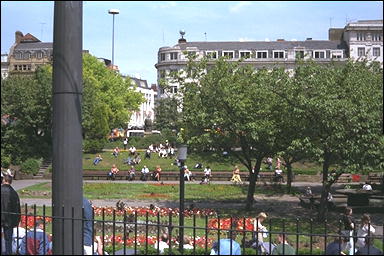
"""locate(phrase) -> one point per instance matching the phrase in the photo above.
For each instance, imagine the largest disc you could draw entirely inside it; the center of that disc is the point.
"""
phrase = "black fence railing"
(152, 230)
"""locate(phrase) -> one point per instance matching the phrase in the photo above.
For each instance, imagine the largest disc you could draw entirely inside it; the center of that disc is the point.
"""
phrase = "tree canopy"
(108, 102)
(326, 113)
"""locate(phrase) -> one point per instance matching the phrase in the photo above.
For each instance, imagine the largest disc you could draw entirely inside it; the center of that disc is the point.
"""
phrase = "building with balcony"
(341, 45)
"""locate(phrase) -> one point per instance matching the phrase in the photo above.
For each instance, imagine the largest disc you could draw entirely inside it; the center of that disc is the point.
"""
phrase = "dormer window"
(211, 54)
(278, 54)
(319, 54)
(245, 54)
(261, 54)
(228, 54)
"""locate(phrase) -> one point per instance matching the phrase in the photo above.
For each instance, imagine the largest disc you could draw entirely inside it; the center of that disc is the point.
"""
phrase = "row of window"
(362, 36)
(22, 67)
(277, 54)
(375, 51)
(28, 55)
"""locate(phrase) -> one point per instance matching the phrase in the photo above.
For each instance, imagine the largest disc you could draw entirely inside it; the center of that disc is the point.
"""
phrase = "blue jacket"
(88, 215)
(40, 246)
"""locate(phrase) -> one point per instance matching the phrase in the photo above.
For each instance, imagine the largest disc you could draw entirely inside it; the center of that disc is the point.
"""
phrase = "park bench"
(375, 177)
(89, 174)
(344, 178)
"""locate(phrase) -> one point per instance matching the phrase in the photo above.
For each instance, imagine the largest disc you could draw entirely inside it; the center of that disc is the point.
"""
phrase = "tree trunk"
(252, 184)
(324, 191)
(289, 176)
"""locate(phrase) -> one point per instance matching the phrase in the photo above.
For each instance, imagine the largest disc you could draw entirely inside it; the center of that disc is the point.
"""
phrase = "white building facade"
(341, 45)
(365, 40)
(146, 110)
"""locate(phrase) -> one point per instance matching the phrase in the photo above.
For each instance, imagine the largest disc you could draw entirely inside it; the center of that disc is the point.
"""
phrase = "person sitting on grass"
(116, 152)
(97, 160)
(283, 248)
(137, 159)
(147, 154)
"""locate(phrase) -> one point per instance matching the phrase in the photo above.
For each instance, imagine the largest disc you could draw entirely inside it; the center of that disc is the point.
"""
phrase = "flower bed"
(152, 211)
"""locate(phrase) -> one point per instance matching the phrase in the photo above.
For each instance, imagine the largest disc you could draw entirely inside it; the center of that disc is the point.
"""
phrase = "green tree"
(26, 100)
(108, 101)
(343, 105)
(167, 116)
(229, 108)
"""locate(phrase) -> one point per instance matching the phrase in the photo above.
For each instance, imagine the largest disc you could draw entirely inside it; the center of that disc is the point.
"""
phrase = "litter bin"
(356, 177)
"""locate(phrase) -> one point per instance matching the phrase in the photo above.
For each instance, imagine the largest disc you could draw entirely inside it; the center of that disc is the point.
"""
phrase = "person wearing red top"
(112, 173)
(157, 173)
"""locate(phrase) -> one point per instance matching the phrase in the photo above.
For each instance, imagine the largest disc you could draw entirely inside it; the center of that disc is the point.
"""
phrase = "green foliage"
(5, 160)
(109, 99)
(27, 101)
(167, 115)
(93, 145)
(30, 166)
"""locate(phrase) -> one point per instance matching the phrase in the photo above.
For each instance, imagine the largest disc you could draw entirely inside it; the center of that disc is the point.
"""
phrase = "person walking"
(10, 211)
(125, 143)
(349, 225)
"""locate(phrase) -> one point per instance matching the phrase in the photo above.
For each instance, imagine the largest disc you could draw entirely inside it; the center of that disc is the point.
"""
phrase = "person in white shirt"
(144, 173)
(163, 243)
(207, 175)
(363, 231)
(367, 186)
(18, 235)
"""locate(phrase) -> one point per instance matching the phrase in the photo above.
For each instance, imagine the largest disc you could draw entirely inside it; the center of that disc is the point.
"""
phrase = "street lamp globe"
(113, 11)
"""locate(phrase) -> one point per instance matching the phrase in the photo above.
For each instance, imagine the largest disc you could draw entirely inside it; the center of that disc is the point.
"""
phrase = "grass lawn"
(156, 191)
(215, 160)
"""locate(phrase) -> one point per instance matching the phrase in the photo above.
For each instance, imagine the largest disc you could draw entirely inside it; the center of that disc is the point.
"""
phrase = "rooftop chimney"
(18, 37)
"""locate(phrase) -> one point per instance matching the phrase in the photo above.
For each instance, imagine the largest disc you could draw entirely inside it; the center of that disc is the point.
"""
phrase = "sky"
(142, 27)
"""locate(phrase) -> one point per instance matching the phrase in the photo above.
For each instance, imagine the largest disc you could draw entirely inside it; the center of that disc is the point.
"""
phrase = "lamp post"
(181, 156)
(113, 12)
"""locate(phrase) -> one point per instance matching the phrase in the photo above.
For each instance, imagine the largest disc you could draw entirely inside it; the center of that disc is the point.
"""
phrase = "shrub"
(5, 161)
(93, 146)
(30, 166)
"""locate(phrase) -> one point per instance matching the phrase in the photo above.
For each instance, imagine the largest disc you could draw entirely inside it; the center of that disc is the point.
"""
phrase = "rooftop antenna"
(163, 37)
(330, 22)
(205, 34)
(42, 29)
